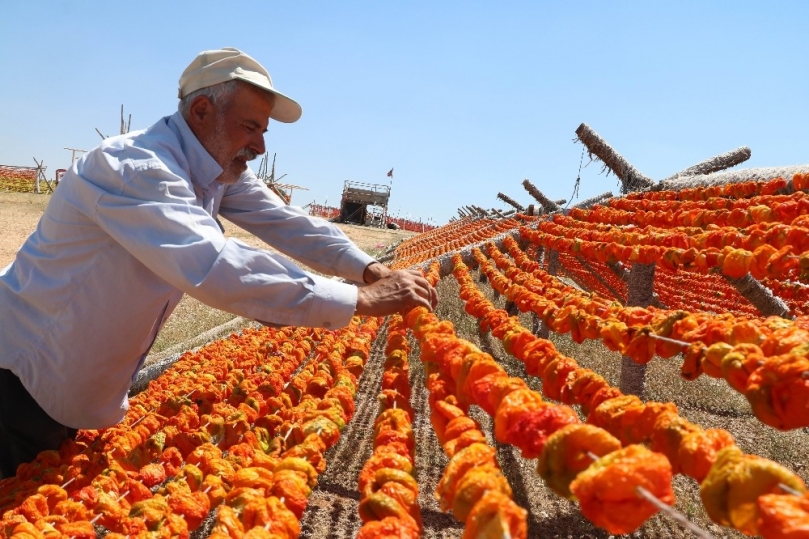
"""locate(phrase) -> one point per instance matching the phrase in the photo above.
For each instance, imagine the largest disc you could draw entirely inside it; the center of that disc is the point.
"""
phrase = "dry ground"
(333, 506)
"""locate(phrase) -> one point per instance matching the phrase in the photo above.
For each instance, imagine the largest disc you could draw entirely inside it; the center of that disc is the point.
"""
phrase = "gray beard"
(229, 175)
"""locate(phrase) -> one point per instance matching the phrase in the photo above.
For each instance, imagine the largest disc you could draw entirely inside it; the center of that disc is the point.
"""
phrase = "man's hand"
(374, 271)
(396, 291)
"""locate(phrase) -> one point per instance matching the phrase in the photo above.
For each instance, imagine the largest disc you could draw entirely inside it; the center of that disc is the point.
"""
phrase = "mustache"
(246, 153)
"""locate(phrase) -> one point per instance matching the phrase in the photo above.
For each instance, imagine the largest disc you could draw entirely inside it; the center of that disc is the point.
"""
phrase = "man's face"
(237, 132)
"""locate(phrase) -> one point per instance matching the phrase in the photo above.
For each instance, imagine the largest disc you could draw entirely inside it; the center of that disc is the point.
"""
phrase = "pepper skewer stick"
(675, 515)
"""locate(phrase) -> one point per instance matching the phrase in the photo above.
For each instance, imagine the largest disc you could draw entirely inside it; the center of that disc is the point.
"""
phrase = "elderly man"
(132, 227)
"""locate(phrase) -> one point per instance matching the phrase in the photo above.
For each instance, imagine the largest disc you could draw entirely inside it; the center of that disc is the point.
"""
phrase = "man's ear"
(200, 113)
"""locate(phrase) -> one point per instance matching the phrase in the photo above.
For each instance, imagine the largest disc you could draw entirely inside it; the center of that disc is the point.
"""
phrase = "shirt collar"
(203, 168)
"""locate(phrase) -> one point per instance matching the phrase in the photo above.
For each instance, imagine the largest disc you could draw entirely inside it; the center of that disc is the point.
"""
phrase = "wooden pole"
(631, 178)
(547, 204)
(584, 204)
(733, 176)
(760, 296)
(541, 328)
(601, 280)
(510, 201)
(641, 276)
(715, 164)
(640, 294)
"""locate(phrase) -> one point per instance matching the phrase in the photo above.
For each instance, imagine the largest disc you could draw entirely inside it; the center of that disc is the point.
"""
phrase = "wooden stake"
(715, 163)
(510, 201)
(547, 204)
(631, 178)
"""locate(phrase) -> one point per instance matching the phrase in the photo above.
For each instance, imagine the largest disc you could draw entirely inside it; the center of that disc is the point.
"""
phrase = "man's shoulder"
(155, 147)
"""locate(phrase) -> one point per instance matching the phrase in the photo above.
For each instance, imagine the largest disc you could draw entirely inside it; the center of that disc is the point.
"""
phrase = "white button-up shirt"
(130, 229)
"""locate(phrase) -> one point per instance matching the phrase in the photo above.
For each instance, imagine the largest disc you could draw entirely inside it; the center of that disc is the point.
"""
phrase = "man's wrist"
(373, 272)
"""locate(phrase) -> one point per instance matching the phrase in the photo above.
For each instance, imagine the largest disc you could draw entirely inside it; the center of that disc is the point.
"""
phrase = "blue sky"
(462, 99)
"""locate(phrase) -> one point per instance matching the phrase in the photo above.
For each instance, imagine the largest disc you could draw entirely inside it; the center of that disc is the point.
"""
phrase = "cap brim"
(284, 109)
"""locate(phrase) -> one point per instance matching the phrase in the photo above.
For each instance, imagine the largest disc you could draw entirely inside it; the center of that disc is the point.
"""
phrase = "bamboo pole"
(631, 178)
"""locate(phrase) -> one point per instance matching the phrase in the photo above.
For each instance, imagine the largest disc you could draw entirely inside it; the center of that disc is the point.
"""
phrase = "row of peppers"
(473, 230)
(682, 290)
(712, 215)
(727, 190)
(578, 461)
(764, 359)
(388, 490)
(594, 276)
(739, 490)
(201, 375)
(764, 261)
(691, 291)
(247, 414)
(472, 485)
(462, 229)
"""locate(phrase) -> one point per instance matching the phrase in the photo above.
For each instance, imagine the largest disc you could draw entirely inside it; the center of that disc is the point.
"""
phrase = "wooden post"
(760, 296)
(631, 178)
(715, 164)
(41, 176)
(600, 279)
(639, 294)
(511, 202)
(547, 204)
(584, 204)
(734, 176)
(541, 328)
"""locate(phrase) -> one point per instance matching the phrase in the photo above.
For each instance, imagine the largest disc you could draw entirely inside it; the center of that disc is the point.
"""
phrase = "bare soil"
(333, 505)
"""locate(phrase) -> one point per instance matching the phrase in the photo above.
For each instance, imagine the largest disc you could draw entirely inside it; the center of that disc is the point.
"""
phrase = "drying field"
(333, 505)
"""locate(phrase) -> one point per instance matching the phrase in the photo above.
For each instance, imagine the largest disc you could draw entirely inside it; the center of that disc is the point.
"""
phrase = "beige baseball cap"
(222, 65)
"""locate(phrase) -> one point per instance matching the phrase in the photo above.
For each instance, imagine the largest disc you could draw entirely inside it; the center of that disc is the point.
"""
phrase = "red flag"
(390, 173)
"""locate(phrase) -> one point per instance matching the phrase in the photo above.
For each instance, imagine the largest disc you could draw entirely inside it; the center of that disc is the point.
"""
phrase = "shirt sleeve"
(310, 240)
(156, 217)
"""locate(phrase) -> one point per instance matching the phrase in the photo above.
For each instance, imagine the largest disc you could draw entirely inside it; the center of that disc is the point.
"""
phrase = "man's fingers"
(398, 291)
